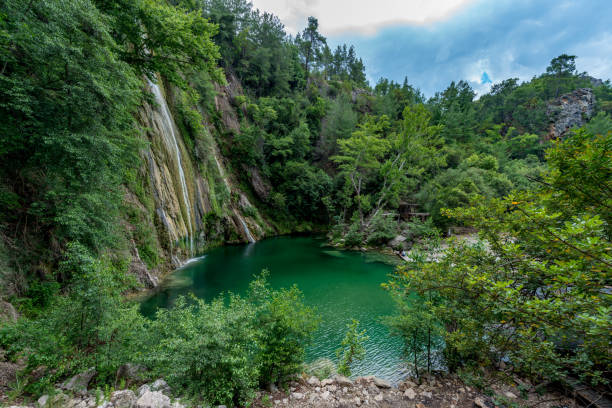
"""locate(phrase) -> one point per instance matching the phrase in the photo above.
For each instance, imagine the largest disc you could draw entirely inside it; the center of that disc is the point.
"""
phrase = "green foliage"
(534, 291)
(89, 326)
(155, 36)
(220, 352)
(70, 87)
(351, 349)
(207, 349)
(285, 325)
(600, 124)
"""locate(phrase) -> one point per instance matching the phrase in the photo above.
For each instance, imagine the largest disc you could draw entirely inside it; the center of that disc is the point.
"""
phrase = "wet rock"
(79, 382)
(261, 187)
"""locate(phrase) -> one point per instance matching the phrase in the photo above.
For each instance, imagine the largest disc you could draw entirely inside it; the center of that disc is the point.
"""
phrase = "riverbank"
(441, 391)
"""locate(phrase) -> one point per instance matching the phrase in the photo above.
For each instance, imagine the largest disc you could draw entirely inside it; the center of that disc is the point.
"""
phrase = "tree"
(310, 42)
(284, 326)
(351, 349)
(534, 292)
(563, 65)
(360, 157)
(414, 151)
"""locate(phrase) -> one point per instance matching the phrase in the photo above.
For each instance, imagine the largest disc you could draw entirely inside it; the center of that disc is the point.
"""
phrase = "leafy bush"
(207, 349)
(285, 325)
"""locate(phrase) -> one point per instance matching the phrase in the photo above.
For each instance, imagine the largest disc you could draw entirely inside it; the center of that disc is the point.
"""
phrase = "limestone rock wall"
(569, 111)
(188, 198)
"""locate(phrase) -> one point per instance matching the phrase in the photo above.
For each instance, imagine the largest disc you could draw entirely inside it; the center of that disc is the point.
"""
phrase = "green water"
(342, 285)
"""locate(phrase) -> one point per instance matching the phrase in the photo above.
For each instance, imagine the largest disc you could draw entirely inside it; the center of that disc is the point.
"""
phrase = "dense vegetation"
(335, 152)
(535, 292)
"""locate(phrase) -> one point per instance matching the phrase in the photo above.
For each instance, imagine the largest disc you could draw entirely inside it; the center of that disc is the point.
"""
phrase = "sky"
(433, 42)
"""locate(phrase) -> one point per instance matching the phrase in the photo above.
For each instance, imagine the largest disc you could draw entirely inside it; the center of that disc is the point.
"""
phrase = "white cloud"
(359, 16)
(595, 56)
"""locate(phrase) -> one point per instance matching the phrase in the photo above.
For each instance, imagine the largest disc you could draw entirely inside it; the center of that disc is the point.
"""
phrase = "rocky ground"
(443, 391)
(437, 392)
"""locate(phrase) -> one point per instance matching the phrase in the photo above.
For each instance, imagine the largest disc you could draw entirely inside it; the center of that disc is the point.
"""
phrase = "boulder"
(410, 394)
(131, 373)
(327, 381)
(42, 401)
(341, 380)
(297, 395)
(123, 399)
(58, 400)
(380, 383)
(79, 382)
(161, 386)
(314, 381)
(143, 389)
(7, 312)
(153, 399)
(397, 241)
(478, 402)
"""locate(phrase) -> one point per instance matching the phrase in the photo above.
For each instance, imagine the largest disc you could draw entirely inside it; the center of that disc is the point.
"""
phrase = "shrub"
(207, 349)
(285, 325)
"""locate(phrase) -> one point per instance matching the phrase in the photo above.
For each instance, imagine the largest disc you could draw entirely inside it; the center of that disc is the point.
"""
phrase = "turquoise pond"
(341, 285)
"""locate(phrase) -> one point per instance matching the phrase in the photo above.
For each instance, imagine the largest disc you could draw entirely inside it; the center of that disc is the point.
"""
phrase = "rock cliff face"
(569, 111)
(185, 197)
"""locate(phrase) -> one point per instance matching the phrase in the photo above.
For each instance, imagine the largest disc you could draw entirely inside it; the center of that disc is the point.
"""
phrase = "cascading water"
(169, 130)
(246, 230)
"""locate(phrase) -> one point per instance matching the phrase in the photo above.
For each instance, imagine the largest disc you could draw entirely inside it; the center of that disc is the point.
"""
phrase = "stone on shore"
(79, 382)
(153, 399)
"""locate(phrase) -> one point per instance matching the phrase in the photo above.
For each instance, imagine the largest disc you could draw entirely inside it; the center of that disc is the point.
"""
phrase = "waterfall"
(168, 129)
(246, 230)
